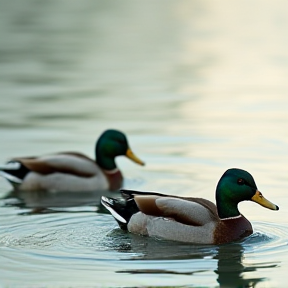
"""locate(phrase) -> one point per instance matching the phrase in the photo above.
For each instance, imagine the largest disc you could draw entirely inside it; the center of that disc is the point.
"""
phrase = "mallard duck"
(185, 219)
(72, 171)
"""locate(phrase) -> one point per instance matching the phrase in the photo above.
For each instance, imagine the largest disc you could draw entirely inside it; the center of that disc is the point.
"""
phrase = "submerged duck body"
(187, 219)
(72, 171)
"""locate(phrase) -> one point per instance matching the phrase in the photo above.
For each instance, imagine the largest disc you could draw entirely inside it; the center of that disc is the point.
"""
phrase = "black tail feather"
(14, 171)
(121, 210)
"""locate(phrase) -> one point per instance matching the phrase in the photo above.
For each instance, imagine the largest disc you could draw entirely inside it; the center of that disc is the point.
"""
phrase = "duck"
(72, 171)
(189, 219)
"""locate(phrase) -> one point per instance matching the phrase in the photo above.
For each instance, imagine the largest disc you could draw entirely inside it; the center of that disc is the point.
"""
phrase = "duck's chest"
(232, 229)
(114, 178)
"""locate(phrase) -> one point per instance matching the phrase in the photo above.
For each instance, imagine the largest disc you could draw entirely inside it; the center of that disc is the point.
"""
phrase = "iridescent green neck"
(227, 209)
(227, 203)
(106, 162)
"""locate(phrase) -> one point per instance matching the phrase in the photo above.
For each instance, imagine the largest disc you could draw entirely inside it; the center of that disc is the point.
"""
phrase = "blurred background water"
(197, 86)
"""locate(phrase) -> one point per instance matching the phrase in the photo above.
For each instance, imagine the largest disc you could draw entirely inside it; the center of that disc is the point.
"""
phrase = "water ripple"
(77, 241)
(268, 238)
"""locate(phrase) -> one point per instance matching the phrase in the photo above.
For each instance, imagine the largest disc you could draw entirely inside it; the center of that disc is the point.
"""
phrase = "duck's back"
(66, 162)
(63, 172)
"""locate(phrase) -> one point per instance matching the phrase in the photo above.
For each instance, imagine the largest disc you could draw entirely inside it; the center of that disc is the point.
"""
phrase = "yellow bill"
(260, 199)
(133, 157)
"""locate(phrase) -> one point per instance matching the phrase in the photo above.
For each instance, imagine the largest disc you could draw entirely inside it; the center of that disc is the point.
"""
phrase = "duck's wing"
(67, 162)
(190, 211)
(127, 193)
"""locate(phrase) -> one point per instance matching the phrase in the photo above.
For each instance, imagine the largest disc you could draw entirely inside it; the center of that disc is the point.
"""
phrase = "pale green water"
(197, 86)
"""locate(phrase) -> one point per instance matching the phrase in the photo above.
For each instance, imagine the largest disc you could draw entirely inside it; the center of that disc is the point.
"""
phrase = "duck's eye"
(240, 181)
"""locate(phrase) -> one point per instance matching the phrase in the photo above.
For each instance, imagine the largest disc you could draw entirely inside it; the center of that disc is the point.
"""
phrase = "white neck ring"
(230, 218)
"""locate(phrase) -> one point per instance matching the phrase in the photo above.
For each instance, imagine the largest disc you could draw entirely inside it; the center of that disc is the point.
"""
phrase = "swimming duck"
(187, 219)
(72, 171)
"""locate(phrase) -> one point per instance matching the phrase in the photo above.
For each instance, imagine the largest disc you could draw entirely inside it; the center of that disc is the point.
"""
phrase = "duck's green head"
(110, 144)
(237, 185)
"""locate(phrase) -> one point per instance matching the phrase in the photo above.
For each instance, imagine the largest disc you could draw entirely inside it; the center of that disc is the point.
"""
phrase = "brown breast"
(232, 229)
(115, 180)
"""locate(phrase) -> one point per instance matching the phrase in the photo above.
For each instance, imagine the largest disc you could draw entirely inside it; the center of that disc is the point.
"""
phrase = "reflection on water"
(94, 237)
(52, 202)
(231, 268)
(198, 86)
(85, 241)
(46, 199)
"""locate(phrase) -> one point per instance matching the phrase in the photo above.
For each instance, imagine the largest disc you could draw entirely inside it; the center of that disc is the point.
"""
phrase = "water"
(197, 86)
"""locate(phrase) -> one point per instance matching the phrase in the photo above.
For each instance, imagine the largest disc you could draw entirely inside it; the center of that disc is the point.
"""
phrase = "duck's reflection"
(39, 202)
(231, 270)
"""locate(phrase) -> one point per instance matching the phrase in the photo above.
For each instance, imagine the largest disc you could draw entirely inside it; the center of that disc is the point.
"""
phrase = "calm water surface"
(198, 87)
